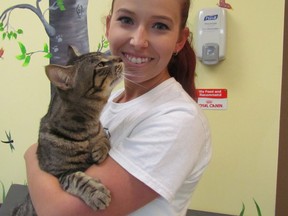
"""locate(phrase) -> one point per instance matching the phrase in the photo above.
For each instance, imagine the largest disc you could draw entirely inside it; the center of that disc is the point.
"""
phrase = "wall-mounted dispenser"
(211, 35)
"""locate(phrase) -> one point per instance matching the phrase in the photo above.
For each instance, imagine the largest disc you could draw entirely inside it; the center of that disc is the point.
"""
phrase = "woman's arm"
(128, 193)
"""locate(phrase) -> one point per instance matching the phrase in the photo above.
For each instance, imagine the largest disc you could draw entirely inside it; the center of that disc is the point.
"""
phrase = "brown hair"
(182, 65)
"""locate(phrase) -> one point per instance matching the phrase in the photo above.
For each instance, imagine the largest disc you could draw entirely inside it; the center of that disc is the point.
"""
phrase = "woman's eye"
(125, 20)
(160, 26)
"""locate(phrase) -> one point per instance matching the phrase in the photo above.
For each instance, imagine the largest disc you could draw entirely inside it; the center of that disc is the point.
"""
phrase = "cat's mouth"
(119, 69)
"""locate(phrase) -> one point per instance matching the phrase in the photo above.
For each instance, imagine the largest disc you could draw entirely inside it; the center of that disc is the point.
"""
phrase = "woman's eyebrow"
(160, 17)
(126, 11)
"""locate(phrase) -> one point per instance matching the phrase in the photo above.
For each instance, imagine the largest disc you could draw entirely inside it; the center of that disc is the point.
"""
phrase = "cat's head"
(91, 75)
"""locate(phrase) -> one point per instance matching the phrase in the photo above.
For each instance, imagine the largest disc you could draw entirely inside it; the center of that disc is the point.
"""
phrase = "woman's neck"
(133, 90)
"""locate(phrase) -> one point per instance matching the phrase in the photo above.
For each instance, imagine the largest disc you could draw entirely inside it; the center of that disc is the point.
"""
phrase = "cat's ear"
(73, 52)
(60, 76)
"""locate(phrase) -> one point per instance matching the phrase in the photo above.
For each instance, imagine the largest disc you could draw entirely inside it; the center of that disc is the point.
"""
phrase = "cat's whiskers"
(132, 81)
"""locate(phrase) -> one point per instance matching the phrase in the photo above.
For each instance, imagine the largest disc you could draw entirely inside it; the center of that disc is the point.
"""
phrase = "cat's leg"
(100, 149)
(90, 190)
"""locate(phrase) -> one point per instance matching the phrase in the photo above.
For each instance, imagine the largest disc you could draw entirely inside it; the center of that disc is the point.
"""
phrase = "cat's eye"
(101, 64)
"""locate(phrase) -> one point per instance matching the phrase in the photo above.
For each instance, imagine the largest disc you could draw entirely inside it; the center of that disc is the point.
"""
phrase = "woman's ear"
(183, 36)
(108, 20)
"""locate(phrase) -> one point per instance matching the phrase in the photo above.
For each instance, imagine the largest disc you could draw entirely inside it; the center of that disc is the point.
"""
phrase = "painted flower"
(1, 52)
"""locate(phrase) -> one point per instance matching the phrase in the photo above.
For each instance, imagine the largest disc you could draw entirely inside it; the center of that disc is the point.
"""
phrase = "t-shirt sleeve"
(163, 149)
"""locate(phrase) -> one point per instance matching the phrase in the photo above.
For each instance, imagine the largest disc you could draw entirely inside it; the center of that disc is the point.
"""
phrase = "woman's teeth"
(137, 60)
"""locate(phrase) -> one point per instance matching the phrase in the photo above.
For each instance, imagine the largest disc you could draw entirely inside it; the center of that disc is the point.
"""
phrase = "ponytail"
(182, 68)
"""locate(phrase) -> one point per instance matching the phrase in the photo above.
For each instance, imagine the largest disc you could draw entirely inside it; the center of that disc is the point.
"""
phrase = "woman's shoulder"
(173, 96)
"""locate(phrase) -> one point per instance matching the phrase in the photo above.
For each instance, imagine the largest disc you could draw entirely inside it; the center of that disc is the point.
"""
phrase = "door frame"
(282, 175)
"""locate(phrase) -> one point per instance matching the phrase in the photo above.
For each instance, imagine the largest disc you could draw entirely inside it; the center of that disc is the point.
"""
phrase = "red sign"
(213, 99)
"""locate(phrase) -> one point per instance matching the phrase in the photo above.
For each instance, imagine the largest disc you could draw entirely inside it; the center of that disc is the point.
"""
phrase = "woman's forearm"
(47, 196)
(50, 200)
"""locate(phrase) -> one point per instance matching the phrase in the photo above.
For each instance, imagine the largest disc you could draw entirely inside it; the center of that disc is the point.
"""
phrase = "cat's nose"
(116, 59)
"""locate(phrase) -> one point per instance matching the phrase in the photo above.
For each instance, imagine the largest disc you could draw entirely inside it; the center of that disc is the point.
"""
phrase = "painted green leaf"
(21, 57)
(3, 191)
(46, 49)
(15, 35)
(20, 31)
(1, 24)
(60, 4)
(106, 44)
(258, 208)
(48, 55)
(4, 35)
(1, 28)
(11, 35)
(27, 61)
(243, 210)
(22, 48)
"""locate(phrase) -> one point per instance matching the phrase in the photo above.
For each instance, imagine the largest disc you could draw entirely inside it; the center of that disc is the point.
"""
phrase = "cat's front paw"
(100, 153)
(100, 198)
(89, 189)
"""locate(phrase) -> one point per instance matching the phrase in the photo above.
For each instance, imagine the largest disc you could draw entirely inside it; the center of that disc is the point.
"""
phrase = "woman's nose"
(139, 38)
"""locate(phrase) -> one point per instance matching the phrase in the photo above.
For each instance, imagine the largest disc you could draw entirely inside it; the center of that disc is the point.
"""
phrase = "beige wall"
(245, 136)
(24, 92)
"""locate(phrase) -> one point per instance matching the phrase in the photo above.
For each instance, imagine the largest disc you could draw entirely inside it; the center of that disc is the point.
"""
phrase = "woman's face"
(145, 34)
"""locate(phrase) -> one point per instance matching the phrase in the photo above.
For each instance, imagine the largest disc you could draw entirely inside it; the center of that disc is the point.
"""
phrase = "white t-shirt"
(163, 139)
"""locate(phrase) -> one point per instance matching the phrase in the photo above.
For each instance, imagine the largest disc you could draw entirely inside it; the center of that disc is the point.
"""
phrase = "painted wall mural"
(9, 141)
(66, 25)
(223, 4)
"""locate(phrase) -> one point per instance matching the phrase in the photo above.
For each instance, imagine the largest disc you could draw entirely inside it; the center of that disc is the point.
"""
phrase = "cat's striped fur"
(71, 137)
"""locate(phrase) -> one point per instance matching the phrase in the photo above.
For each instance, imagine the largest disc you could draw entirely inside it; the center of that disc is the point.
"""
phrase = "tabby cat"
(71, 137)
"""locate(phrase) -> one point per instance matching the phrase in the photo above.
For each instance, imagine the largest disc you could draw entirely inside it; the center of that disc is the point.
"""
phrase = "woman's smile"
(136, 59)
(145, 38)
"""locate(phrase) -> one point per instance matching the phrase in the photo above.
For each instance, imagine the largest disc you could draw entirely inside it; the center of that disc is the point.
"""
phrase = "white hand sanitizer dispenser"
(211, 35)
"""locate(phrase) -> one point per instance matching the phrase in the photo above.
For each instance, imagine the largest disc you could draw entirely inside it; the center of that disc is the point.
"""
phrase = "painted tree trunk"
(71, 29)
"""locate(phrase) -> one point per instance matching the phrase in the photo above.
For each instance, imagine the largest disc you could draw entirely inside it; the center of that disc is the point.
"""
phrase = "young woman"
(160, 138)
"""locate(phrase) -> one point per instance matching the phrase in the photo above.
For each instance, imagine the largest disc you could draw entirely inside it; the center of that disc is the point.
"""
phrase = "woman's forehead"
(156, 8)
